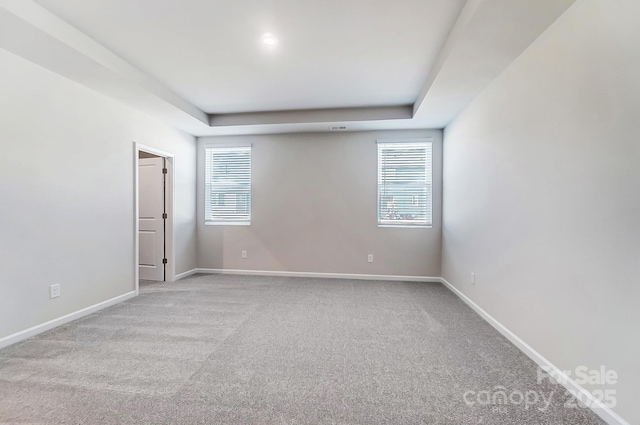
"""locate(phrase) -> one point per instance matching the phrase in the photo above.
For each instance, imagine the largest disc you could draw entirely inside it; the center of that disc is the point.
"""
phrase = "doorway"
(152, 213)
(154, 252)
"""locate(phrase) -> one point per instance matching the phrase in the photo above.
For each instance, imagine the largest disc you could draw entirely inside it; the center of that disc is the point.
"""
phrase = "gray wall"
(314, 209)
(542, 195)
(67, 191)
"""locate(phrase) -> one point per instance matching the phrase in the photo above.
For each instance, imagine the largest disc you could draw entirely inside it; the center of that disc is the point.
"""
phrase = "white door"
(151, 235)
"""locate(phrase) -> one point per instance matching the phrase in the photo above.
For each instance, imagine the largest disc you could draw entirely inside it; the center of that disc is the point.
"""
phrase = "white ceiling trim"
(456, 34)
(403, 112)
(488, 36)
(32, 32)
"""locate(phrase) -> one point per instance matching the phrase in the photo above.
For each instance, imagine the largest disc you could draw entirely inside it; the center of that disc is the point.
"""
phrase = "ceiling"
(200, 64)
(331, 53)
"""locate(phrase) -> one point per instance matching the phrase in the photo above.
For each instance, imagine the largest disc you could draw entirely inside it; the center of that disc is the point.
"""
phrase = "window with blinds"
(228, 185)
(404, 183)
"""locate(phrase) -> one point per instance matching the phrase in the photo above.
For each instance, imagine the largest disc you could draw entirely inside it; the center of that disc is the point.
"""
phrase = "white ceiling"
(200, 66)
(332, 53)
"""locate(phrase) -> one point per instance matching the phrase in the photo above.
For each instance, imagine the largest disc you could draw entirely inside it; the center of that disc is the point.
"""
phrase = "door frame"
(170, 267)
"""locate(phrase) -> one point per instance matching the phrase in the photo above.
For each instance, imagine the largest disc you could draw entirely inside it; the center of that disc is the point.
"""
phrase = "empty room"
(320, 212)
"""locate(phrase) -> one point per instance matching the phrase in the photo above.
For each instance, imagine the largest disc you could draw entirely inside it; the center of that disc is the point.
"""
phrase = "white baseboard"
(322, 275)
(28, 333)
(185, 274)
(604, 412)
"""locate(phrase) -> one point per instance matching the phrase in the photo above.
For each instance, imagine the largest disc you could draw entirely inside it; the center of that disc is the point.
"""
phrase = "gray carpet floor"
(268, 350)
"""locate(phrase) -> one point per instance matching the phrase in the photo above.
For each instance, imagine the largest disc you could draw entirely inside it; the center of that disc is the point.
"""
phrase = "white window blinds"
(228, 185)
(404, 183)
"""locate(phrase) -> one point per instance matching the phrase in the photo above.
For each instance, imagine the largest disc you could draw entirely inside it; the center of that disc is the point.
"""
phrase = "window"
(404, 183)
(227, 196)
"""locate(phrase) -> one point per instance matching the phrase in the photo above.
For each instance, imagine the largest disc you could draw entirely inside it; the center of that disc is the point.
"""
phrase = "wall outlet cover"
(54, 291)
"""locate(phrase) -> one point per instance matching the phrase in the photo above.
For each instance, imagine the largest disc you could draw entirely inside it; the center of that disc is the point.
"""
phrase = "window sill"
(227, 223)
(406, 226)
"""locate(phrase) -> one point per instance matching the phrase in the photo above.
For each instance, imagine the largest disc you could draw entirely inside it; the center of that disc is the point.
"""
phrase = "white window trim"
(227, 222)
(398, 225)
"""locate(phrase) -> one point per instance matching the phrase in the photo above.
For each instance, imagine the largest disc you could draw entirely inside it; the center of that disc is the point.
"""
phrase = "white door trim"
(170, 268)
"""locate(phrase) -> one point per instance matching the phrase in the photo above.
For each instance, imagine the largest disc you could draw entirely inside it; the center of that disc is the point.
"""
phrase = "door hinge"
(164, 171)
(164, 261)
(164, 215)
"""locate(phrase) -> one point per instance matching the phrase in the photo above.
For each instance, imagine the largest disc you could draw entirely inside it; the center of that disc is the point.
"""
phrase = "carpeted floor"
(268, 350)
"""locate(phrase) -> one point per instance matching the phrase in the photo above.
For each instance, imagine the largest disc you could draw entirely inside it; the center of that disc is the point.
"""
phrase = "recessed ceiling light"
(269, 39)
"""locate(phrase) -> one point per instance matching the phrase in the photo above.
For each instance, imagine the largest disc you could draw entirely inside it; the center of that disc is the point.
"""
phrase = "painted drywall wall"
(314, 209)
(542, 195)
(67, 193)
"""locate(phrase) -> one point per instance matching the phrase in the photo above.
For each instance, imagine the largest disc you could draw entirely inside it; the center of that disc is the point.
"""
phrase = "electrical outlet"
(244, 254)
(370, 258)
(473, 278)
(54, 291)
